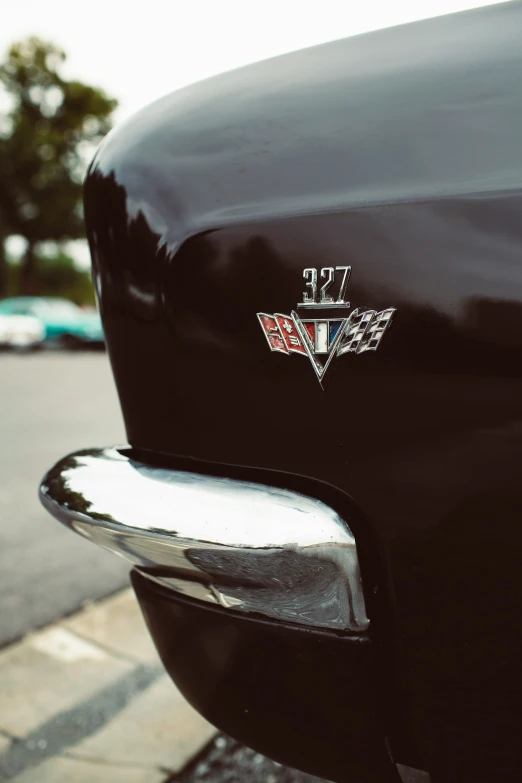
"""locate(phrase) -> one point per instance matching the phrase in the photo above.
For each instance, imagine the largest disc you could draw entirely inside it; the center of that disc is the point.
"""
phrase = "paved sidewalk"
(87, 699)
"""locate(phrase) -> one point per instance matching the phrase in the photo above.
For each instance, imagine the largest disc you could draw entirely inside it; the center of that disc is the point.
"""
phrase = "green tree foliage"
(55, 275)
(46, 140)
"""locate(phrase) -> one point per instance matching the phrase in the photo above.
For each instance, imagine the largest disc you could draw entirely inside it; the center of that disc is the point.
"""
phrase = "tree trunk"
(3, 268)
(27, 280)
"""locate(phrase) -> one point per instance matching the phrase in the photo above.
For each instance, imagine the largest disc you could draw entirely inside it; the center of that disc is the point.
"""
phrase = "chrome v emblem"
(361, 331)
(320, 369)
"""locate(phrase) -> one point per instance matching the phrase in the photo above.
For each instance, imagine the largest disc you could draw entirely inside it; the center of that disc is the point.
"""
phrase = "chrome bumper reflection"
(247, 547)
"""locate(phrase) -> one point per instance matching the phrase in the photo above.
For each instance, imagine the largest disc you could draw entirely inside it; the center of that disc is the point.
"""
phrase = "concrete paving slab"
(84, 699)
(76, 771)
(117, 625)
(48, 673)
(158, 729)
(65, 646)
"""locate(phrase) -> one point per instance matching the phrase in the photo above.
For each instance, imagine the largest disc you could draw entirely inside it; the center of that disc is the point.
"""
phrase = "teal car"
(64, 322)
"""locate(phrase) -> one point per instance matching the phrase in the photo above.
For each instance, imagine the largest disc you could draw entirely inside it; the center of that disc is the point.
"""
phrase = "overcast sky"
(139, 51)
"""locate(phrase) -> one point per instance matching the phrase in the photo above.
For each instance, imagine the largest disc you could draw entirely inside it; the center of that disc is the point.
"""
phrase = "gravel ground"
(224, 761)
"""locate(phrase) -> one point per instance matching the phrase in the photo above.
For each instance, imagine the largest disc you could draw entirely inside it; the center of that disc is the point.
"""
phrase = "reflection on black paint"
(456, 585)
(119, 245)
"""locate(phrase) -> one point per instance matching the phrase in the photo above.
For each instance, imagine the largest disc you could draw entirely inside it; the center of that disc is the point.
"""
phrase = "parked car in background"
(62, 321)
(20, 331)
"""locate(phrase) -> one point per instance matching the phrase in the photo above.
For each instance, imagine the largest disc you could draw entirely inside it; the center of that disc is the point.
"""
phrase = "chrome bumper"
(243, 546)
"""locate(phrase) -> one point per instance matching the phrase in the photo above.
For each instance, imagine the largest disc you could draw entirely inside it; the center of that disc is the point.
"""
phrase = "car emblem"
(323, 339)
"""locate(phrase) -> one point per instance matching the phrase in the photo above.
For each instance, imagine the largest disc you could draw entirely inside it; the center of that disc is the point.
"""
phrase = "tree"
(46, 140)
(55, 275)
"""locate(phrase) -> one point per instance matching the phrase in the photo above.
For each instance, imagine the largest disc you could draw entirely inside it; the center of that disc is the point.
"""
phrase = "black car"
(310, 277)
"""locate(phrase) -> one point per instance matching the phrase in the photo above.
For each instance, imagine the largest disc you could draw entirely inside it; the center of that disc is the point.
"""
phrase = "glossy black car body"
(398, 153)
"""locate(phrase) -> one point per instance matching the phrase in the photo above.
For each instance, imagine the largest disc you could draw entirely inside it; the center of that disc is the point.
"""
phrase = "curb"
(86, 699)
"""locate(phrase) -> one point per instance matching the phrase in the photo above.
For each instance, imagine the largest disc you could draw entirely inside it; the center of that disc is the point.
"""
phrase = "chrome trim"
(247, 547)
(325, 300)
(321, 370)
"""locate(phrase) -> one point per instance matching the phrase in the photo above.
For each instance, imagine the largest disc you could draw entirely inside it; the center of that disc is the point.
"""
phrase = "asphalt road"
(50, 404)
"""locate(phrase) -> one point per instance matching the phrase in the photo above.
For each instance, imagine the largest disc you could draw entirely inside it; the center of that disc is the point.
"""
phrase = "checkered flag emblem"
(324, 339)
(364, 330)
